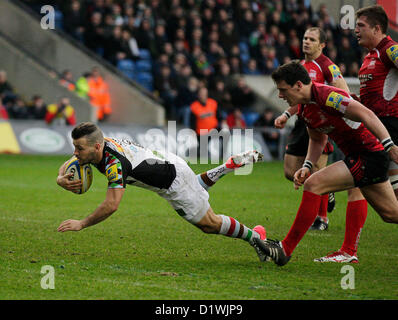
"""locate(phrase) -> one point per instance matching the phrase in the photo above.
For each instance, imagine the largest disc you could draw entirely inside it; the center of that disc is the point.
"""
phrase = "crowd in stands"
(162, 44)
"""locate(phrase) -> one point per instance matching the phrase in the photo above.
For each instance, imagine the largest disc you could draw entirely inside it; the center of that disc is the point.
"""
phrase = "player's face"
(288, 93)
(364, 32)
(311, 44)
(84, 152)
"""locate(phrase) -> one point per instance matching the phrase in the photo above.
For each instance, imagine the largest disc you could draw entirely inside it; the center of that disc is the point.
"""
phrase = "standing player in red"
(379, 73)
(357, 131)
(321, 70)
(378, 91)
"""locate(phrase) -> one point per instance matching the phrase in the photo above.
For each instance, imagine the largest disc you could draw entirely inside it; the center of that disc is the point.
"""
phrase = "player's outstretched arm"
(358, 112)
(64, 182)
(103, 211)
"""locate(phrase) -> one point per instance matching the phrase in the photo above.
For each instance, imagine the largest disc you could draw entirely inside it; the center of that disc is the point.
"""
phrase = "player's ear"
(299, 84)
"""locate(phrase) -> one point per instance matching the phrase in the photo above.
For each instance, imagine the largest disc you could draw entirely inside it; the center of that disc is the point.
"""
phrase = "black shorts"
(391, 124)
(368, 168)
(298, 139)
(297, 143)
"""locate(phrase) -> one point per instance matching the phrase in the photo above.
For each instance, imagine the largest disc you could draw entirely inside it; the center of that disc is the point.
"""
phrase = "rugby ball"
(83, 173)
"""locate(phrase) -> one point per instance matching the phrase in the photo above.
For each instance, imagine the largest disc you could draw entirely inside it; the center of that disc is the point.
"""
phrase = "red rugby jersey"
(379, 79)
(322, 70)
(326, 114)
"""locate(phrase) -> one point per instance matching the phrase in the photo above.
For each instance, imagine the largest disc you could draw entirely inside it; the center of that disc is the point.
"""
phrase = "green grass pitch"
(146, 251)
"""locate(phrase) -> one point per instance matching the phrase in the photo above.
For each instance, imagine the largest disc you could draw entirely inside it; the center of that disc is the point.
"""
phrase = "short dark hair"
(89, 130)
(291, 72)
(322, 34)
(375, 15)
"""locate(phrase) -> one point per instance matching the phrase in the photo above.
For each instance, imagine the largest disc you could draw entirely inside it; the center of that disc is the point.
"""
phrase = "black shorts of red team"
(365, 155)
(391, 124)
(368, 168)
(298, 140)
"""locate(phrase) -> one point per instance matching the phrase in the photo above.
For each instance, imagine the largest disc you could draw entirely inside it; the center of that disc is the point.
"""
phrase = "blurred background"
(135, 65)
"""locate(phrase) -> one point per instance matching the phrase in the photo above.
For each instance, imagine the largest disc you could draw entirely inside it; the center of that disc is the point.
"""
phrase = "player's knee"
(210, 223)
(390, 217)
(289, 175)
(313, 184)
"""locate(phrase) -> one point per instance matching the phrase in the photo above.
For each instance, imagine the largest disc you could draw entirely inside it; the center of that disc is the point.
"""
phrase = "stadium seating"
(127, 66)
(143, 66)
(145, 79)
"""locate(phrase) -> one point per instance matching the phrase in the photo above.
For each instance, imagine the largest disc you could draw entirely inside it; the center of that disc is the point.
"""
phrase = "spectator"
(61, 113)
(251, 68)
(16, 108)
(37, 109)
(67, 80)
(229, 36)
(160, 38)
(99, 95)
(166, 85)
(186, 96)
(270, 135)
(113, 49)
(145, 36)
(202, 67)
(204, 113)
(82, 86)
(183, 76)
(129, 46)
(5, 86)
(246, 25)
(353, 70)
(223, 98)
(282, 48)
(75, 20)
(346, 54)
(242, 96)
(94, 33)
(235, 120)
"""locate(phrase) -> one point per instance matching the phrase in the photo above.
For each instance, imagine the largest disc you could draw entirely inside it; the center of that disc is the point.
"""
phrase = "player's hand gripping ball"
(83, 173)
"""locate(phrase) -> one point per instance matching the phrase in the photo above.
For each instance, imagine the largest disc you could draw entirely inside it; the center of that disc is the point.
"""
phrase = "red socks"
(323, 208)
(356, 214)
(305, 217)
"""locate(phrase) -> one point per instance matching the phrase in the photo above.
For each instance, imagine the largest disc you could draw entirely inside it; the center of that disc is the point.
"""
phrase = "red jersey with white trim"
(379, 79)
(326, 114)
(322, 70)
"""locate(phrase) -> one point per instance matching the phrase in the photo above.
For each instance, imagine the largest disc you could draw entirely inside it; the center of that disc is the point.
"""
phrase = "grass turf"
(146, 251)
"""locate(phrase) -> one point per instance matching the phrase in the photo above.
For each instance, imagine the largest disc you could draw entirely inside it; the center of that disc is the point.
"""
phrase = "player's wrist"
(387, 144)
(287, 114)
(308, 164)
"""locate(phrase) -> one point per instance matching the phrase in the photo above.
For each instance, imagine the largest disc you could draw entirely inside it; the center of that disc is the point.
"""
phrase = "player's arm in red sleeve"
(358, 112)
(390, 56)
(103, 211)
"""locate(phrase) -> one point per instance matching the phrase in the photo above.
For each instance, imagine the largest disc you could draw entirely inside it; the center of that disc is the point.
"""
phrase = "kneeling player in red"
(357, 131)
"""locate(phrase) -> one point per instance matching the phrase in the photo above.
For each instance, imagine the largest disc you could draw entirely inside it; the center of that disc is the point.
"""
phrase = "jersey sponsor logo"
(334, 100)
(335, 71)
(312, 74)
(112, 173)
(392, 53)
